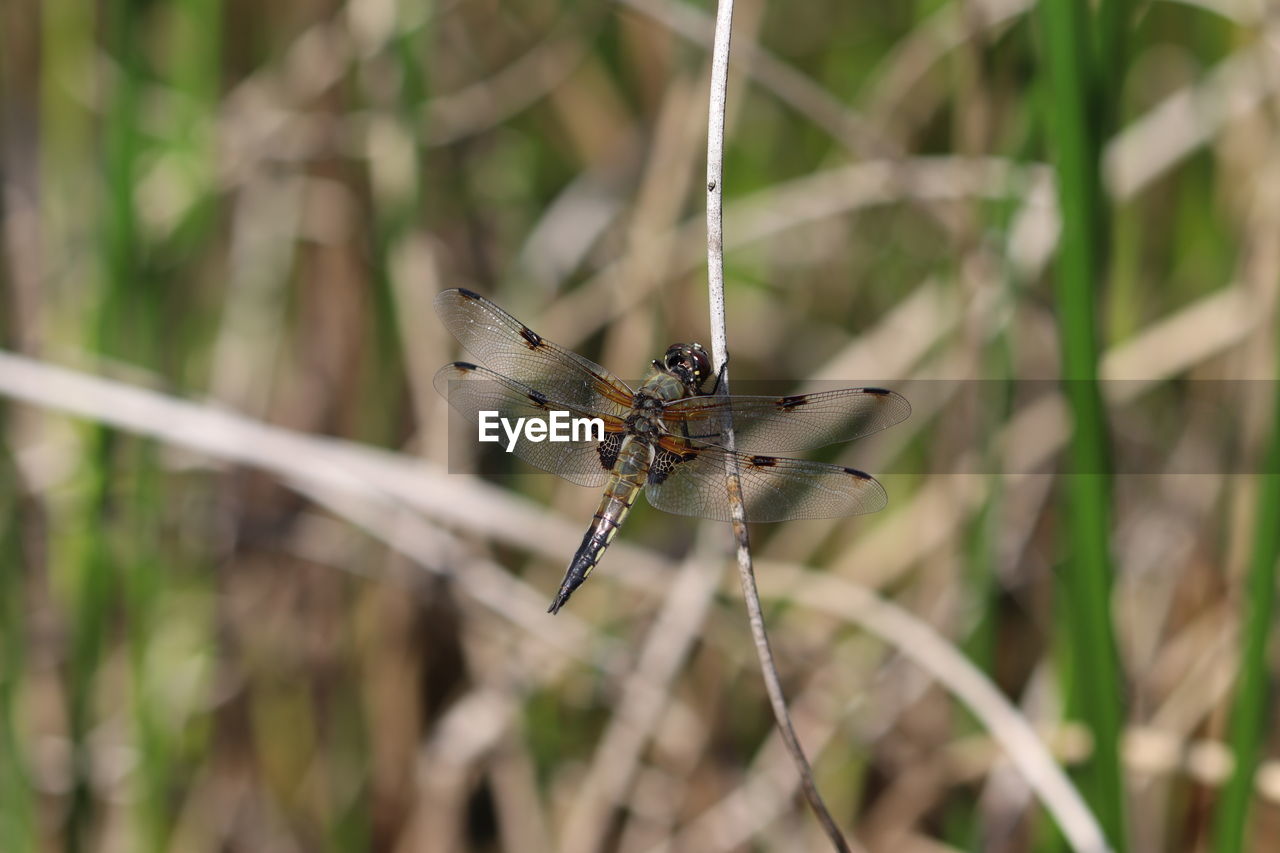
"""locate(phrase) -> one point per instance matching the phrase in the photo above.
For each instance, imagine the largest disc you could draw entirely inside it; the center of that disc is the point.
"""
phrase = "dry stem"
(715, 284)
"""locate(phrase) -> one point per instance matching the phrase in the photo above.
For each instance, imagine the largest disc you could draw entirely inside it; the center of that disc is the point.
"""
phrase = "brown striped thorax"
(666, 438)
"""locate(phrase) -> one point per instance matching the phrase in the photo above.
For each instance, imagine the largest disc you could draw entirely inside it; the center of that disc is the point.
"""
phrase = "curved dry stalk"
(374, 488)
(936, 655)
(715, 286)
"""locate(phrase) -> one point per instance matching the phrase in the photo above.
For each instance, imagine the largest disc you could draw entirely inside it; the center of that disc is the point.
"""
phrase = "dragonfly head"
(689, 363)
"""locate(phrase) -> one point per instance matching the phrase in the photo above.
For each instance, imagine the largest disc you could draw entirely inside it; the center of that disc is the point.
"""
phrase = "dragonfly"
(666, 437)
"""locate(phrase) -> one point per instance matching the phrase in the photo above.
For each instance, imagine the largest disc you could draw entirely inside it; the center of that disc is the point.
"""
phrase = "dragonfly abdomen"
(619, 494)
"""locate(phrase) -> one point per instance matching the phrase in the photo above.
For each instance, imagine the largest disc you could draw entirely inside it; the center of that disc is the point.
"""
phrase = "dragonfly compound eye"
(701, 362)
(689, 362)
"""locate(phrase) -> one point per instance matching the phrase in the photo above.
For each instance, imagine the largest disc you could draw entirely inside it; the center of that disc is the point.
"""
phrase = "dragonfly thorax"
(645, 420)
(646, 402)
(643, 426)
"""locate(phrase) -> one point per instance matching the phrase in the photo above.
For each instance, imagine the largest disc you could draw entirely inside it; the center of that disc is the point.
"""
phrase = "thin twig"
(715, 284)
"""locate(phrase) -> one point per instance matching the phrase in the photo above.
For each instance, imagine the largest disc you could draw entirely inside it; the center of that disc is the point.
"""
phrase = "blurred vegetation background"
(205, 645)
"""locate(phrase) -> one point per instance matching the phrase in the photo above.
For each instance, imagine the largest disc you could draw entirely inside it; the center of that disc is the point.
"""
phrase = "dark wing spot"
(879, 392)
(787, 404)
(532, 338)
(469, 294)
(764, 461)
(609, 449)
(539, 399)
(861, 475)
(664, 462)
(465, 366)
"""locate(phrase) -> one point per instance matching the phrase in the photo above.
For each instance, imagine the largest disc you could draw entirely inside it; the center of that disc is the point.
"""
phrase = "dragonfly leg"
(718, 388)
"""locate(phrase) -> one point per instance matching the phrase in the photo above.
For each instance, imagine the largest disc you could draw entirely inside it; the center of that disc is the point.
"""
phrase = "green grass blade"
(1081, 259)
(17, 796)
(1248, 715)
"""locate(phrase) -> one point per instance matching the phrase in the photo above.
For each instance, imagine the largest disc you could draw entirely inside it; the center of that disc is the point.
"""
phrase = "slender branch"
(719, 354)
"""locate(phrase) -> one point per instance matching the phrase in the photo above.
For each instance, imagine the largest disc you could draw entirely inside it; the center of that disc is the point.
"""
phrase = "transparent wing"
(504, 344)
(472, 389)
(688, 478)
(785, 424)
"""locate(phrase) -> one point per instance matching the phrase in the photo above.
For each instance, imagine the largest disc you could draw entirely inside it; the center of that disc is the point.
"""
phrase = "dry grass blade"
(943, 661)
(374, 488)
(720, 367)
